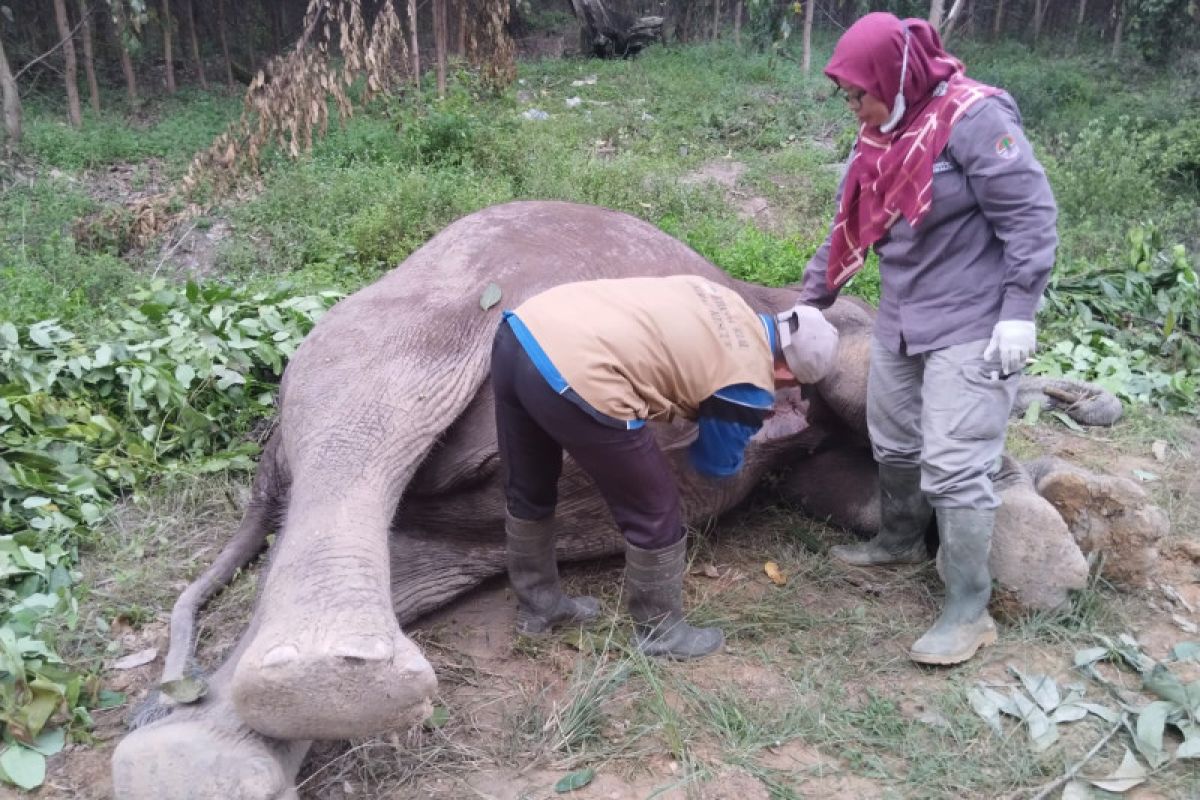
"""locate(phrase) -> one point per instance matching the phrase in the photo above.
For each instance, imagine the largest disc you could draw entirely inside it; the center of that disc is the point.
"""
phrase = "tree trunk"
(413, 45)
(1038, 11)
(191, 23)
(1116, 48)
(168, 55)
(224, 43)
(70, 71)
(737, 22)
(716, 29)
(998, 20)
(462, 28)
(806, 60)
(121, 28)
(11, 101)
(936, 9)
(89, 55)
(969, 22)
(1078, 24)
(440, 36)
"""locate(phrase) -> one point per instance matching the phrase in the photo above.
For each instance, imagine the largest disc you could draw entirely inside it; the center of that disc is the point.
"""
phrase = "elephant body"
(383, 482)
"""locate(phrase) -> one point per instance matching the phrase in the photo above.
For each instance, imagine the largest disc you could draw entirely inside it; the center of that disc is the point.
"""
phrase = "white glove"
(1014, 340)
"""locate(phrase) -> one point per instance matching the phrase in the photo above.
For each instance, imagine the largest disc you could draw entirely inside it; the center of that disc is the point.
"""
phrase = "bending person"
(582, 367)
(943, 184)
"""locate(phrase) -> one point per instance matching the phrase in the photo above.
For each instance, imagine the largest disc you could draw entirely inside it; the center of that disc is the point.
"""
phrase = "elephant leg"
(329, 660)
(839, 485)
(203, 752)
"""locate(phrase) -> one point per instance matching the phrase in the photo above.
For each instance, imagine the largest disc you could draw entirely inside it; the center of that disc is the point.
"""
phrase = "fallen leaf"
(1159, 448)
(138, 659)
(1148, 737)
(1185, 624)
(1124, 777)
(985, 706)
(1068, 713)
(1076, 790)
(491, 296)
(1090, 655)
(934, 720)
(710, 571)
(185, 690)
(1186, 651)
(439, 717)
(773, 572)
(574, 780)
(1144, 476)
(1042, 732)
(1041, 688)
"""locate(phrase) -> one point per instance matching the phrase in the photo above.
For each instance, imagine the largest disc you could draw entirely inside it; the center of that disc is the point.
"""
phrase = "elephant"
(383, 485)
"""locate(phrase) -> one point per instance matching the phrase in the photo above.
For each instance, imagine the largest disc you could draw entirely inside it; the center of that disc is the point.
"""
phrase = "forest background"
(187, 186)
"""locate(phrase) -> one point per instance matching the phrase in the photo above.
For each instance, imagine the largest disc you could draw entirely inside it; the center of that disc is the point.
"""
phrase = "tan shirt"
(649, 348)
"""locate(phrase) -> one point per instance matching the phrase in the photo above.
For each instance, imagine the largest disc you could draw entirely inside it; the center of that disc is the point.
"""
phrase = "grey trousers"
(945, 411)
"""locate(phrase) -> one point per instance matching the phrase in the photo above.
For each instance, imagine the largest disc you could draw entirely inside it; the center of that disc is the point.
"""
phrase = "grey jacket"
(983, 252)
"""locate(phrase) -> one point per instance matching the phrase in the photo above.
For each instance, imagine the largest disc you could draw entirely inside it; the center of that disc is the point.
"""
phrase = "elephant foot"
(350, 674)
(1108, 515)
(204, 756)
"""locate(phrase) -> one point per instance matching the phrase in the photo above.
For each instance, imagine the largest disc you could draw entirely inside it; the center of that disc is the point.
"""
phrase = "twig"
(171, 251)
(50, 52)
(1044, 791)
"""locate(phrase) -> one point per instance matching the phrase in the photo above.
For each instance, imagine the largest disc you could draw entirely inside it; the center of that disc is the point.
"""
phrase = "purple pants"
(535, 425)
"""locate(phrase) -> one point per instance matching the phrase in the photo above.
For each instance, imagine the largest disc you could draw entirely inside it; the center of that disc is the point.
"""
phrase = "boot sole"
(937, 659)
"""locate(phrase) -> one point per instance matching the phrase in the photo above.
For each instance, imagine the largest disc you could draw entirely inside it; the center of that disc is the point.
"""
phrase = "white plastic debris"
(572, 102)
(536, 114)
(647, 117)
(590, 80)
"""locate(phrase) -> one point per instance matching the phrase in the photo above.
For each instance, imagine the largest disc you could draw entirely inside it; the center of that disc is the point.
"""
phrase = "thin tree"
(122, 28)
(89, 57)
(1119, 12)
(936, 9)
(998, 20)
(224, 43)
(168, 55)
(1039, 14)
(737, 22)
(1078, 24)
(70, 71)
(11, 97)
(191, 23)
(462, 28)
(440, 37)
(716, 29)
(412, 47)
(806, 61)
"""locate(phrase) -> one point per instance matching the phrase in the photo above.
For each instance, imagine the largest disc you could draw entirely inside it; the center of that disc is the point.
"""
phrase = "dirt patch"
(727, 174)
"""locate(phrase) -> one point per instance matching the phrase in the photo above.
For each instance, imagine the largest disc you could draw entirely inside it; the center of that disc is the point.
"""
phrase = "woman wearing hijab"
(943, 184)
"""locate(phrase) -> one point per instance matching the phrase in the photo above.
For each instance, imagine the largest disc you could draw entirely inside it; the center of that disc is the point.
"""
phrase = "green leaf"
(185, 690)
(1041, 688)
(35, 502)
(1066, 420)
(50, 742)
(986, 707)
(1149, 732)
(1124, 777)
(439, 717)
(24, 767)
(102, 357)
(1033, 412)
(574, 780)
(107, 698)
(185, 374)
(491, 296)
(1186, 651)
(8, 331)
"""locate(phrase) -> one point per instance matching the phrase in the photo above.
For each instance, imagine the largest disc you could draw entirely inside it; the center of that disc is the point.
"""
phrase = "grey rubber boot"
(533, 573)
(964, 625)
(904, 515)
(654, 582)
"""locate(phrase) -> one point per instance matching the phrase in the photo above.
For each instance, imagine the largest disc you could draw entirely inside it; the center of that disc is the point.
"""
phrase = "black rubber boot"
(964, 625)
(533, 573)
(654, 582)
(904, 515)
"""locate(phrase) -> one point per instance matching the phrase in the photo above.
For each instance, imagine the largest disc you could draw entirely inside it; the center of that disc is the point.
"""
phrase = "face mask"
(898, 105)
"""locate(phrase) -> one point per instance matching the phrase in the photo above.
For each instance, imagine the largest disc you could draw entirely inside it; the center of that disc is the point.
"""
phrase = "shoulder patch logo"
(1006, 146)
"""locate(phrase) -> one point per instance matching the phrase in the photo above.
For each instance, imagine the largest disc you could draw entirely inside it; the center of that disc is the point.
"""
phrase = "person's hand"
(1014, 340)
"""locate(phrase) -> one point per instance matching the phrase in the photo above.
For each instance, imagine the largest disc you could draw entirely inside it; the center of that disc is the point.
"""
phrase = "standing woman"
(944, 185)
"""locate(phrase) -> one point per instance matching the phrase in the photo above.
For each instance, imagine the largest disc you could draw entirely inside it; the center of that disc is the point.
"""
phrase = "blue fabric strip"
(769, 325)
(553, 377)
(746, 394)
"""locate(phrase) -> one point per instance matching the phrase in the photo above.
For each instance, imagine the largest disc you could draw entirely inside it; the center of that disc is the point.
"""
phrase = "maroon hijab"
(891, 174)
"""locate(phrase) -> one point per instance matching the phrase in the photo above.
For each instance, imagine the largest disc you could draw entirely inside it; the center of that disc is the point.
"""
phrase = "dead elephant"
(382, 480)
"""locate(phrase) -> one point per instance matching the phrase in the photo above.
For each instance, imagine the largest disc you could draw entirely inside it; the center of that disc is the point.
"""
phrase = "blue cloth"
(727, 421)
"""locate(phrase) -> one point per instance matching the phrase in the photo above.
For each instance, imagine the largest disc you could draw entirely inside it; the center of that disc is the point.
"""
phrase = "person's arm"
(1013, 194)
(814, 290)
(726, 422)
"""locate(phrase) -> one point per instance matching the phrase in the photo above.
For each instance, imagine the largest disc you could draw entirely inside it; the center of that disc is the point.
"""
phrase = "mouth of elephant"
(788, 420)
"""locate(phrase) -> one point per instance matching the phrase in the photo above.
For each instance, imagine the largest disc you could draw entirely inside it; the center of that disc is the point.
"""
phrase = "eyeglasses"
(854, 98)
